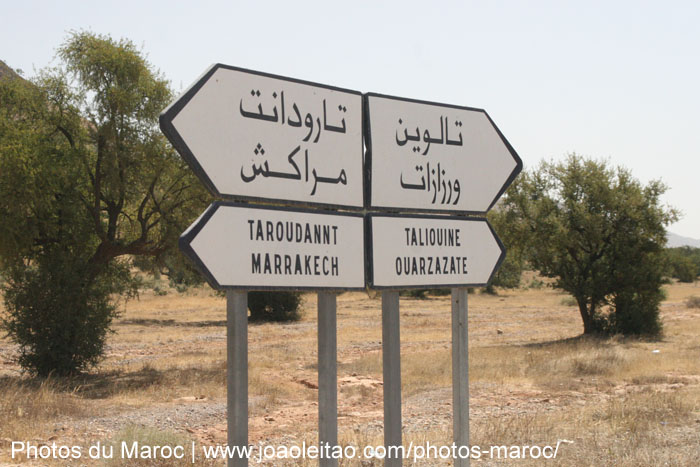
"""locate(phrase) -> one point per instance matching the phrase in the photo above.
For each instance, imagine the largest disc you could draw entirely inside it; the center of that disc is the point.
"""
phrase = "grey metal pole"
(391, 362)
(460, 373)
(327, 378)
(237, 372)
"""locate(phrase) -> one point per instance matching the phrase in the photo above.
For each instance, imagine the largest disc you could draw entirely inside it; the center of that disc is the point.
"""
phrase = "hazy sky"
(614, 79)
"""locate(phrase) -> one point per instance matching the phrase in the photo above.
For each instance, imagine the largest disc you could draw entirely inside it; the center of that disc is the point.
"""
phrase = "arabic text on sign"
(263, 168)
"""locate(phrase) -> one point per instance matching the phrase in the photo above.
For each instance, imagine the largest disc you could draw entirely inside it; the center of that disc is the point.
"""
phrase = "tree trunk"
(586, 316)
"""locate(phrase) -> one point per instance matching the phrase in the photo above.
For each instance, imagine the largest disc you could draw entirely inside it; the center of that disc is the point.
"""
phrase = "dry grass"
(28, 406)
(693, 302)
(533, 378)
(551, 363)
(122, 448)
(647, 428)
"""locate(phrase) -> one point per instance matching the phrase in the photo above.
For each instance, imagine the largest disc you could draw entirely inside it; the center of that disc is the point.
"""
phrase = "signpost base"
(327, 376)
(460, 372)
(237, 372)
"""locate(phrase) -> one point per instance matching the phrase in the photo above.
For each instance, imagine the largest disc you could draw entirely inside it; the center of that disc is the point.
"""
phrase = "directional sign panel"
(432, 251)
(425, 156)
(252, 135)
(260, 247)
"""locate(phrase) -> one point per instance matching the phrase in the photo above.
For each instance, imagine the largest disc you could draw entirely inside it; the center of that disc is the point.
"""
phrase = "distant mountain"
(677, 240)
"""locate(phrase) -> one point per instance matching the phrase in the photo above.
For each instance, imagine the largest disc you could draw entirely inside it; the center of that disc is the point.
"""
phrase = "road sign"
(425, 156)
(432, 251)
(260, 247)
(252, 135)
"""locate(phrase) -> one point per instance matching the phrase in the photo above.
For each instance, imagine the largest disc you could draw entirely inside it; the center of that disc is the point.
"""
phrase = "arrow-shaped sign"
(425, 156)
(261, 247)
(252, 135)
(432, 251)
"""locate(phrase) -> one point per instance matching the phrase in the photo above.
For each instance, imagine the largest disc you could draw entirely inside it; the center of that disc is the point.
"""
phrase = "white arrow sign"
(425, 156)
(253, 135)
(261, 247)
(432, 251)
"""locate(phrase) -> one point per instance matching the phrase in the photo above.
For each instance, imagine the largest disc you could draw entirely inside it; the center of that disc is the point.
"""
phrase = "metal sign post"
(460, 373)
(443, 159)
(237, 372)
(250, 135)
(391, 367)
(327, 378)
(428, 251)
(253, 136)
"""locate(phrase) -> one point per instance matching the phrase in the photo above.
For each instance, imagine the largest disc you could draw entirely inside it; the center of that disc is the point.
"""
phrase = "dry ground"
(533, 380)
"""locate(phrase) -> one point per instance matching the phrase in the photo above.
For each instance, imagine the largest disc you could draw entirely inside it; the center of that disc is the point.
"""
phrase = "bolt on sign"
(251, 135)
(425, 156)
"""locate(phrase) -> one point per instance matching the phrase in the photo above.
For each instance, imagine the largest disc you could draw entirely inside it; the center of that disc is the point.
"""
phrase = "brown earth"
(533, 380)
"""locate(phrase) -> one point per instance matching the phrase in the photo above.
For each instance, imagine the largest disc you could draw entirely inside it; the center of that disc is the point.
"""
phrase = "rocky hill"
(675, 240)
(6, 71)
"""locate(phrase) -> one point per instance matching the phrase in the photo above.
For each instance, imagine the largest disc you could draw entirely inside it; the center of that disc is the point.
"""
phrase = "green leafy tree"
(684, 269)
(87, 182)
(513, 232)
(601, 234)
(684, 263)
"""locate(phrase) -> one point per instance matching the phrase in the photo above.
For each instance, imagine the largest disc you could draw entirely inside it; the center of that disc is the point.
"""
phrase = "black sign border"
(166, 126)
(370, 252)
(368, 158)
(189, 235)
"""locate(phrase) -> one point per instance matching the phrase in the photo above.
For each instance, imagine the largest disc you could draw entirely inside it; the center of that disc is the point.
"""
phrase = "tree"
(601, 234)
(87, 181)
(685, 263)
(514, 234)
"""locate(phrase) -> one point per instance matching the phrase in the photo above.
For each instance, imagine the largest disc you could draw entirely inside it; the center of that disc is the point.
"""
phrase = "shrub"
(693, 302)
(636, 312)
(684, 263)
(274, 306)
(440, 292)
(420, 294)
(569, 301)
(57, 316)
(684, 269)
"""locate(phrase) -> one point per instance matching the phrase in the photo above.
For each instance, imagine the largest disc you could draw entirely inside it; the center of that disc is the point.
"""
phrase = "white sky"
(609, 79)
